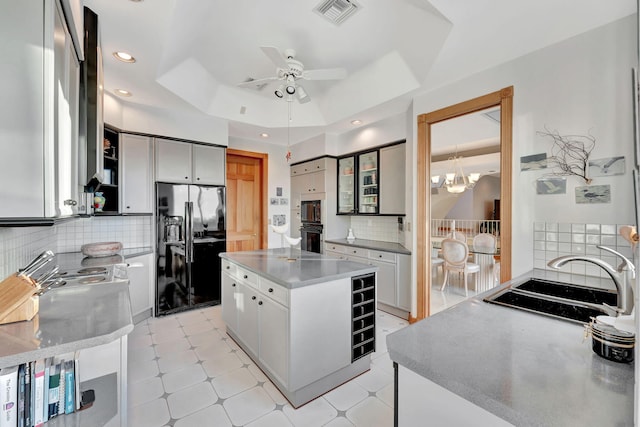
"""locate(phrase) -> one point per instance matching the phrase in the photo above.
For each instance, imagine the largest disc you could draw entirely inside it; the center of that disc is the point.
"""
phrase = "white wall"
(577, 86)
(184, 124)
(278, 177)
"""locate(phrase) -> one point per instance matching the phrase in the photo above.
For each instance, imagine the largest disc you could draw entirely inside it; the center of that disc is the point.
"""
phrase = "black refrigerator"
(191, 232)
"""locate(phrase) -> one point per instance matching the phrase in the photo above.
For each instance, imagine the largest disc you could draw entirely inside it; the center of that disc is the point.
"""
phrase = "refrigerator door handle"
(190, 236)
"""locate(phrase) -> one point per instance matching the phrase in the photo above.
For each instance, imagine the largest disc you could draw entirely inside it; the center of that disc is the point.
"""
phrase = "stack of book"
(33, 393)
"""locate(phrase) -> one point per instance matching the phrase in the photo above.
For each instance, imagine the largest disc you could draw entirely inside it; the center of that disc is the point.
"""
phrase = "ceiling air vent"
(337, 11)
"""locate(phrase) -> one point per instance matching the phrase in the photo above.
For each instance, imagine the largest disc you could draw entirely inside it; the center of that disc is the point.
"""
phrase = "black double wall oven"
(311, 229)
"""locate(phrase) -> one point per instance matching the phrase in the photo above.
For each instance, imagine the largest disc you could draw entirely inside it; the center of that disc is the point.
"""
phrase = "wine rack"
(363, 316)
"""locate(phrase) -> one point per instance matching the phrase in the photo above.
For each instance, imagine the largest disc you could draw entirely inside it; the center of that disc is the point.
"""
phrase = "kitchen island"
(503, 366)
(307, 320)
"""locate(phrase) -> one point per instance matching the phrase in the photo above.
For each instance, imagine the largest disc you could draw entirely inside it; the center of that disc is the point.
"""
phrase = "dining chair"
(486, 240)
(455, 254)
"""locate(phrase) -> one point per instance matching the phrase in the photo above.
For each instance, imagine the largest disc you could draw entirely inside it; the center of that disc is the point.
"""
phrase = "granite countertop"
(293, 268)
(69, 319)
(526, 368)
(372, 244)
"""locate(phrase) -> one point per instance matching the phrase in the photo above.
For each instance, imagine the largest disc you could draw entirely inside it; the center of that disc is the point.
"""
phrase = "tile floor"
(185, 371)
(453, 293)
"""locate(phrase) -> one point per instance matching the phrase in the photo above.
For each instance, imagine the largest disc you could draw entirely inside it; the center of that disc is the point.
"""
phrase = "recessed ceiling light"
(124, 57)
(356, 122)
(264, 135)
(123, 92)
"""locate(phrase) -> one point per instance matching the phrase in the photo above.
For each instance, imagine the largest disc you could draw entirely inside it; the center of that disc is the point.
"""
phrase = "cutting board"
(16, 294)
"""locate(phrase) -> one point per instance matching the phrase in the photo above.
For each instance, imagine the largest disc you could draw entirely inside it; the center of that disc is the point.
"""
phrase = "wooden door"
(246, 200)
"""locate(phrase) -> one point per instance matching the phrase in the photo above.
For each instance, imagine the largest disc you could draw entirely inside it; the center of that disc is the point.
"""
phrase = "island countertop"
(528, 369)
(293, 268)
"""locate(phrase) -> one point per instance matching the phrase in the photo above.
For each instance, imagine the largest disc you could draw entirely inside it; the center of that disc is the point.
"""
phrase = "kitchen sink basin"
(560, 300)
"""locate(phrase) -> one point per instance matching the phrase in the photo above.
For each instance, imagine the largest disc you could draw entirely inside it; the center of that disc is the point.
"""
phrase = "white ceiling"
(191, 54)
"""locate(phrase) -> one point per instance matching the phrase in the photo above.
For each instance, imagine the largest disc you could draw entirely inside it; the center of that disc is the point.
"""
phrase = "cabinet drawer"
(382, 256)
(308, 167)
(359, 252)
(276, 292)
(247, 277)
(334, 248)
(229, 268)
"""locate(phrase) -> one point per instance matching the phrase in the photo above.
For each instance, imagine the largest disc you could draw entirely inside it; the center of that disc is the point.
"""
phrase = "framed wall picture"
(592, 194)
(551, 185)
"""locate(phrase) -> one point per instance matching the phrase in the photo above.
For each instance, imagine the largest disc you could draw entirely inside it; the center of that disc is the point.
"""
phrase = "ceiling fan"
(288, 71)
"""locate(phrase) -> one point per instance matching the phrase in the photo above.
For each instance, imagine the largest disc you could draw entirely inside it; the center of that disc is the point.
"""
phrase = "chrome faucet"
(623, 277)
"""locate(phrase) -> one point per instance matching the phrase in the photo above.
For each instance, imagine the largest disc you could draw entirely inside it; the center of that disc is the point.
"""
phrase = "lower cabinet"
(259, 321)
(394, 284)
(141, 282)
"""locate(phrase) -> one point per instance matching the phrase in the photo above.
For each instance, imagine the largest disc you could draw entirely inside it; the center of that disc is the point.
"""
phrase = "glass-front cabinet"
(346, 185)
(368, 183)
(358, 184)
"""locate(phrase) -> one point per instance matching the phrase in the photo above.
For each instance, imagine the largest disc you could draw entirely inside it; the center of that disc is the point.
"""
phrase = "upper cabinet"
(136, 187)
(187, 163)
(39, 123)
(392, 179)
(372, 182)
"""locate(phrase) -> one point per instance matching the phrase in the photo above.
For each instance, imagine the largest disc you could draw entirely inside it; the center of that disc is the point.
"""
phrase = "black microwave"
(310, 211)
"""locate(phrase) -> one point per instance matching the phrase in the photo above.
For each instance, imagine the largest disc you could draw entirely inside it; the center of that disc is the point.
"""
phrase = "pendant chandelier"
(456, 181)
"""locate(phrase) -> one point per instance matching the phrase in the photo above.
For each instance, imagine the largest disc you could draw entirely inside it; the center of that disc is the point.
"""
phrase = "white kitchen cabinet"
(39, 121)
(274, 337)
(187, 163)
(173, 161)
(248, 319)
(136, 187)
(229, 301)
(209, 165)
(394, 284)
(392, 179)
(141, 287)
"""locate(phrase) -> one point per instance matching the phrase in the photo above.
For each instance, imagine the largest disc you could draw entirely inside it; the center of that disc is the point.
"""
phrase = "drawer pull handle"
(245, 276)
(253, 297)
(233, 285)
(228, 267)
(379, 256)
(259, 302)
(270, 289)
(355, 252)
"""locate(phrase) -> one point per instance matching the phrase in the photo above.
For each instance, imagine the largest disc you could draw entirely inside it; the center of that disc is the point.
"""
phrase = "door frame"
(504, 99)
(264, 166)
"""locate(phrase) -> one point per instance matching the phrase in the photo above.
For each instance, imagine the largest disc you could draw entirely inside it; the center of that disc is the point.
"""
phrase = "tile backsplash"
(382, 228)
(552, 240)
(20, 244)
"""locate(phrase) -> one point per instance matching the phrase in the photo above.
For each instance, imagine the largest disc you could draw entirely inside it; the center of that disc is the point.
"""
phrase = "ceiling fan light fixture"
(291, 89)
(280, 91)
(302, 95)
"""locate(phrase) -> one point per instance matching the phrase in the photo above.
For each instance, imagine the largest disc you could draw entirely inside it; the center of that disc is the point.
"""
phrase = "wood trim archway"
(504, 99)
(264, 161)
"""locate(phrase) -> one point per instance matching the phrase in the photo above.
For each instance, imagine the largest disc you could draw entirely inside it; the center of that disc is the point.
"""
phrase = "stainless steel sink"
(565, 301)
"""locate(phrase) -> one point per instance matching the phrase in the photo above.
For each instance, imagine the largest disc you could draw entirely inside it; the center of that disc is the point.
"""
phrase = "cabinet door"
(274, 333)
(315, 182)
(346, 185)
(229, 302)
(173, 161)
(209, 165)
(248, 328)
(135, 179)
(368, 183)
(297, 188)
(140, 283)
(386, 282)
(295, 224)
(392, 179)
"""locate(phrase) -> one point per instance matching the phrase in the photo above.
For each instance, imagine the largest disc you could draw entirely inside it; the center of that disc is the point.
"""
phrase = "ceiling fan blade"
(258, 83)
(275, 56)
(325, 74)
